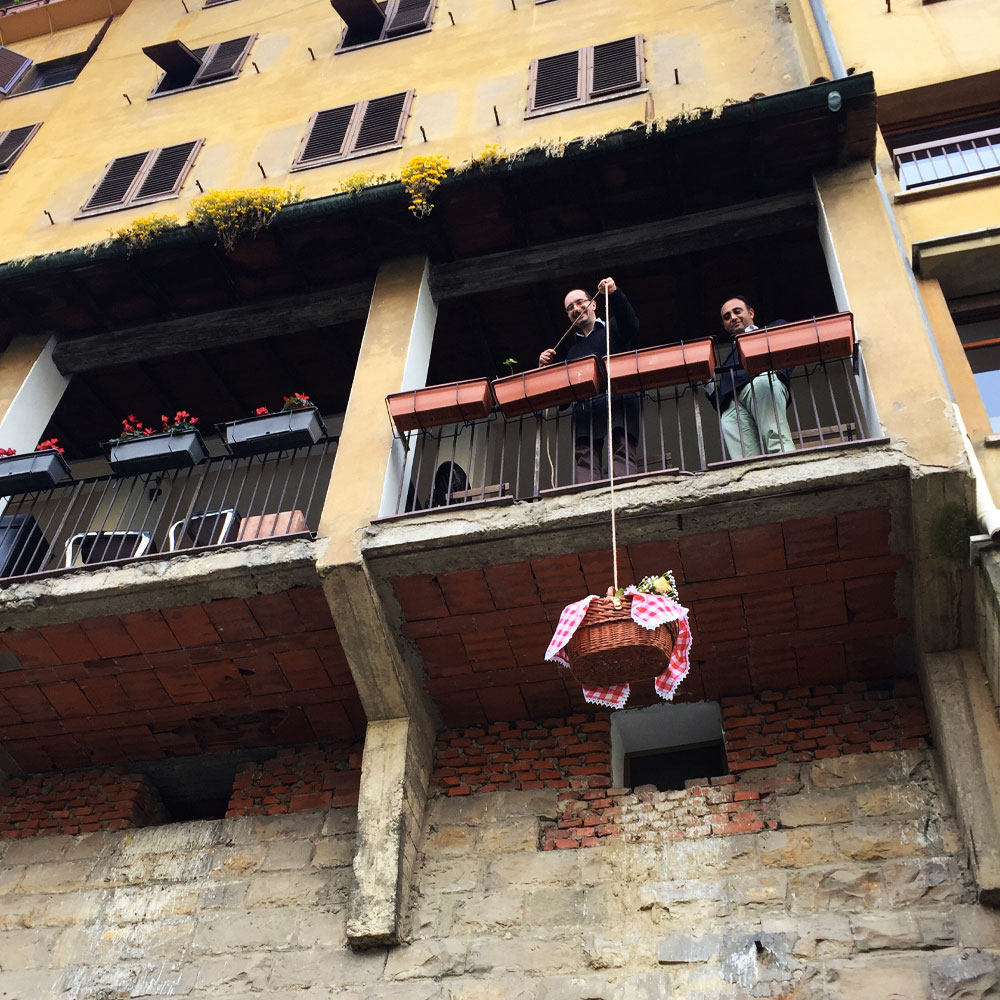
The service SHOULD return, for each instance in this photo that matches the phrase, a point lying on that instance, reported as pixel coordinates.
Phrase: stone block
(426, 959)
(926, 880)
(27, 948)
(822, 936)
(285, 888)
(303, 971)
(286, 855)
(34, 851)
(456, 875)
(166, 978)
(236, 978)
(893, 978)
(977, 926)
(10, 878)
(815, 809)
(552, 906)
(444, 840)
(861, 768)
(577, 988)
(877, 840)
(710, 857)
(894, 800)
(522, 956)
(243, 860)
(318, 928)
(57, 876)
(682, 948)
(605, 953)
(690, 901)
(878, 931)
(762, 887)
(223, 895)
(533, 868)
(501, 910)
(471, 989)
(171, 838)
(971, 975)
(341, 822)
(254, 829)
(515, 834)
(229, 932)
(134, 904)
(333, 852)
(841, 889)
(796, 848)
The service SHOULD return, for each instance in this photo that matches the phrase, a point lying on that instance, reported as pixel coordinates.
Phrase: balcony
(224, 501)
(673, 431)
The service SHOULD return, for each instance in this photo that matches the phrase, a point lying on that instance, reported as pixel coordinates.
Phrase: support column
(30, 389)
(399, 741)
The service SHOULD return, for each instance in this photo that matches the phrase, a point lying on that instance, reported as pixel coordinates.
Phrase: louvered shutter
(382, 122)
(616, 66)
(166, 172)
(410, 15)
(12, 142)
(557, 80)
(326, 137)
(117, 179)
(225, 61)
(12, 67)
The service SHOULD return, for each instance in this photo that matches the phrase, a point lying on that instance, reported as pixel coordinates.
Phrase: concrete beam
(399, 743)
(967, 738)
(30, 390)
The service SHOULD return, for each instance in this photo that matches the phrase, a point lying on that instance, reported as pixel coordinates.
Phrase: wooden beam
(631, 245)
(228, 326)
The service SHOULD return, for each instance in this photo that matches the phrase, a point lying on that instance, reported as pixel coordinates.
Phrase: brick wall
(573, 755)
(77, 802)
(318, 777)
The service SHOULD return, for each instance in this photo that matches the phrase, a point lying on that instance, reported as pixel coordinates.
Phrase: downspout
(826, 37)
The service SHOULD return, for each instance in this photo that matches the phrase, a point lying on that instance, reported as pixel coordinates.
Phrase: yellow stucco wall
(916, 44)
(722, 49)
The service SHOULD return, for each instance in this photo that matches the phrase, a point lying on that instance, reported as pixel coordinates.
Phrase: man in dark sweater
(752, 409)
(590, 419)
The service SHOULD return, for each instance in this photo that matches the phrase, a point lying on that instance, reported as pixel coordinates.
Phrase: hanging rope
(611, 446)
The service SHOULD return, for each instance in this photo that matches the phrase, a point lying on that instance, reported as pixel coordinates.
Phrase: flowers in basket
(297, 401)
(52, 444)
(611, 642)
(133, 427)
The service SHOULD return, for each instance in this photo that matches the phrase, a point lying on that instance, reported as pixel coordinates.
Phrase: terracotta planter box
(32, 472)
(157, 453)
(437, 405)
(657, 367)
(825, 338)
(280, 431)
(553, 385)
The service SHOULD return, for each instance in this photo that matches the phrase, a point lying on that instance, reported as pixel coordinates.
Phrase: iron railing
(675, 430)
(107, 519)
(948, 159)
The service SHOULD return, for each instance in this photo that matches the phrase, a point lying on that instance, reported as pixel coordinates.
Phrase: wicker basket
(609, 648)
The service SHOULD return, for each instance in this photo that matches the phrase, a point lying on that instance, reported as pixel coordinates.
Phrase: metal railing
(107, 519)
(948, 159)
(672, 431)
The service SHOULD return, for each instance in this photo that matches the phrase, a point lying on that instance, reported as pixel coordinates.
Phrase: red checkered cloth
(648, 610)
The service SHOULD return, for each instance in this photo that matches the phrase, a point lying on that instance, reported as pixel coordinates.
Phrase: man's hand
(546, 357)
(606, 284)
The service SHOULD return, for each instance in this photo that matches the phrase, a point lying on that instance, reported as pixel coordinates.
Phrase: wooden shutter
(12, 67)
(225, 59)
(409, 16)
(556, 80)
(114, 185)
(364, 18)
(166, 171)
(12, 142)
(382, 122)
(325, 136)
(616, 66)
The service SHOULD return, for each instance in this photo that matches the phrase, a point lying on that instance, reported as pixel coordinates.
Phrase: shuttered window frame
(130, 198)
(349, 150)
(392, 7)
(7, 162)
(197, 83)
(588, 96)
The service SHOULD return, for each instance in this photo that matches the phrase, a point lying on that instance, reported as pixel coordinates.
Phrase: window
(381, 20)
(142, 177)
(21, 75)
(354, 130)
(596, 73)
(12, 142)
(184, 69)
(948, 152)
(980, 336)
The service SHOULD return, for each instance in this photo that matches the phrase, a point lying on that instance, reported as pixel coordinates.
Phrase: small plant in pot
(139, 448)
(296, 425)
(37, 470)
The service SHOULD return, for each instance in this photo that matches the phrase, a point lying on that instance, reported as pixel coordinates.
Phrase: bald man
(590, 420)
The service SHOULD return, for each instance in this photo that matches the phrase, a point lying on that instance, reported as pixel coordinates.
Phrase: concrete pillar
(399, 742)
(967, 738)
(30, 389)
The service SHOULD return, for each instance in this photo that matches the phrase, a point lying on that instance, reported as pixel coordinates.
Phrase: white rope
(610, 437)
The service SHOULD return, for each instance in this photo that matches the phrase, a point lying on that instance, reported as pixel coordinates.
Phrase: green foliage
(143, 231)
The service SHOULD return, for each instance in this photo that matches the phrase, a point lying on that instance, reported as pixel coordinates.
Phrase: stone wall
(858, 891)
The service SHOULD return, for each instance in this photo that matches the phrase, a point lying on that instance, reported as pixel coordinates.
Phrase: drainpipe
(826, 37)
(986, 511)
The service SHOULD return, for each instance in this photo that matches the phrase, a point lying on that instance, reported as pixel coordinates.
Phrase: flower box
(436, 405)
(657, 367)
(32, 472)
(157, 453)
(282, 431)
(553, 385)
(823, 338)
